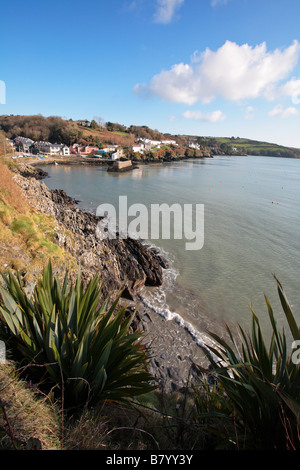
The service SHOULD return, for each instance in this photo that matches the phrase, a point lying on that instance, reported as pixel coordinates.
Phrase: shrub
(258, 387)
(86, 349)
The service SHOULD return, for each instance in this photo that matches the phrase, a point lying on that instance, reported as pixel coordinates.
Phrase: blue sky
(204, 67)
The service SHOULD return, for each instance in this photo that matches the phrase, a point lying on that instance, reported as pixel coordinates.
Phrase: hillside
(244, 146)
(57, 130)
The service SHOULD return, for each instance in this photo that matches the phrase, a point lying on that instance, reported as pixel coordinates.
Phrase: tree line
(38, 128)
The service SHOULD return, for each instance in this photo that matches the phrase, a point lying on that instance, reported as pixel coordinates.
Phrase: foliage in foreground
(250, 400)
(87, 351)
(257, 393)
(28, 421)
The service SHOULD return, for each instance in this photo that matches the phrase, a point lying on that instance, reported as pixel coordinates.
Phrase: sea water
(251, 232)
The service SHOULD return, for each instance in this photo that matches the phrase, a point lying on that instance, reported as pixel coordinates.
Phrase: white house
(138, 148)
(169, 142)
(110, 148)
(148, 143)
(52, 149)
(117, 154)
(194, 146)
(65, 150)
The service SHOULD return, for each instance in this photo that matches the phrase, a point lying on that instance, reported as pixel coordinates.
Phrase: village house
(169, 142)
(83, 150)
(22, 144)
(148, 143)
(110, 148)
(137, 148)
(114, 152)
(88, 149)
(117, 154)
(51, 149)
(192, 145)
(75, 149)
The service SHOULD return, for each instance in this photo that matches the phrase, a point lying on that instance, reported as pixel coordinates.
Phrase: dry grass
(27, 238)
(10, 192)
(87, 432)
(28, 420)
(107, 137)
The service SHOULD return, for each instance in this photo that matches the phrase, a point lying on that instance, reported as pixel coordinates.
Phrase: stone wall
(121, 165)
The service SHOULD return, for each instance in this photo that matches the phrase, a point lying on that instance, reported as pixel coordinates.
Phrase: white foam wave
(200, 339)
(156, 301)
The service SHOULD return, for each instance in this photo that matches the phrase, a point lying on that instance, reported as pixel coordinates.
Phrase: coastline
(89, 161)
(126, 265)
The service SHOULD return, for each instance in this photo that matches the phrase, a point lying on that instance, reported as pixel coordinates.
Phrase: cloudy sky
(204, 67)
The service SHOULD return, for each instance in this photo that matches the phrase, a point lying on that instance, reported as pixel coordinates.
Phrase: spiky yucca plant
(259, 385)
(87, 349)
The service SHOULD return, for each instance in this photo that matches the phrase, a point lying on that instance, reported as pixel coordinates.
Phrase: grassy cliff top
(27, 237)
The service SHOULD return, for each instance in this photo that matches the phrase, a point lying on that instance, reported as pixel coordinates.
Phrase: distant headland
(40, 137)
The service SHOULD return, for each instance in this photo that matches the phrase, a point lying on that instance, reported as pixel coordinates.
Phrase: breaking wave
(156, 300)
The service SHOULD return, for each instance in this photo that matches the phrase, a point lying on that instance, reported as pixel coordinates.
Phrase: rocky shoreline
(124, 265)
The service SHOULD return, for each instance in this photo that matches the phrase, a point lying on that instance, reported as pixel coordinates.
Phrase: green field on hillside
(246, 146)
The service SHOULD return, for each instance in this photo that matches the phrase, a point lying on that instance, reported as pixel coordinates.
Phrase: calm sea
(251, 231)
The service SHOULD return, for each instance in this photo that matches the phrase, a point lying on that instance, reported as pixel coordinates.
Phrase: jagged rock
(123, 264)
(162, 261)
(30, 172)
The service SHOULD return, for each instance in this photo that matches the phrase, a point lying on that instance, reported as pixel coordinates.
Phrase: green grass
(26, 234)
(253, 146)
(120, 133)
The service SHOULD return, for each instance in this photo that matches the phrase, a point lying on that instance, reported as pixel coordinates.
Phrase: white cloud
(279, 110)
(249, 114)
(292, 89)
(166, 10)
(232, 72)
(215, 116)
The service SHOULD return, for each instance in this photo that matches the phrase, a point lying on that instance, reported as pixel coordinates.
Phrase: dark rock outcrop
(123, 264)
(29, 171)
